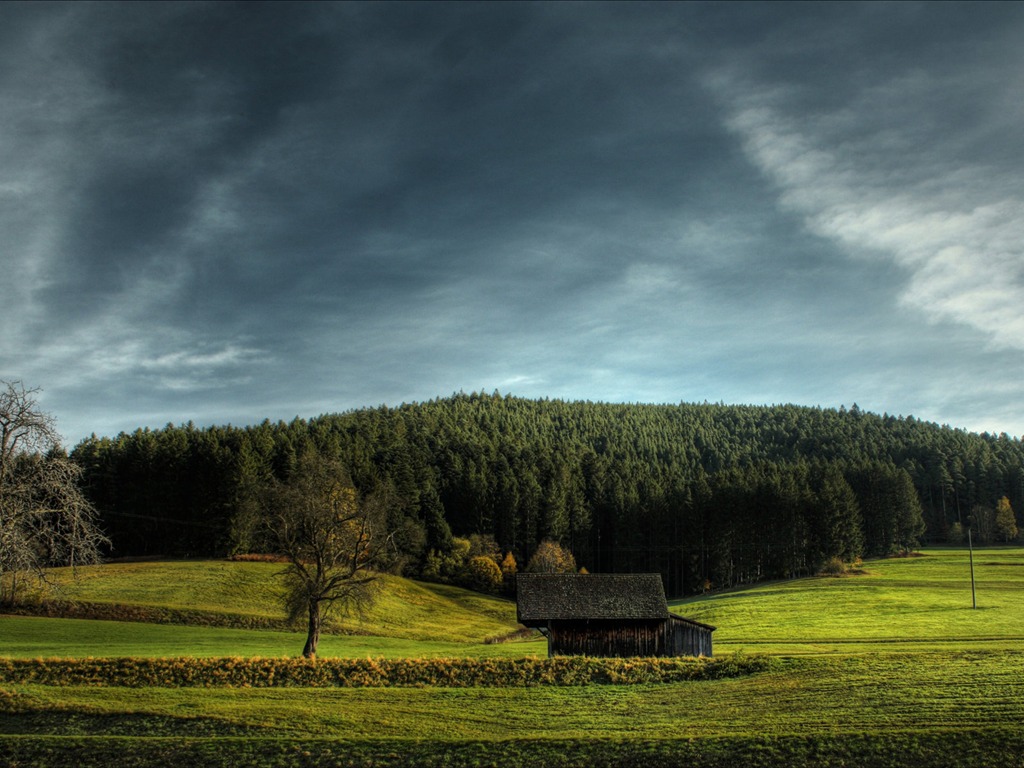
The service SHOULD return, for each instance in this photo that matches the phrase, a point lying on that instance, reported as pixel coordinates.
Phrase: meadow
(889, 667)
(920, 602)
(218, 598)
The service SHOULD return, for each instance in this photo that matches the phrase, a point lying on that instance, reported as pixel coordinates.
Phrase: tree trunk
(313, 631)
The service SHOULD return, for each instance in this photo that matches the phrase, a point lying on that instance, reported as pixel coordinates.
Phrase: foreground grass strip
(375, 673)
(987, 748)
(822, 697)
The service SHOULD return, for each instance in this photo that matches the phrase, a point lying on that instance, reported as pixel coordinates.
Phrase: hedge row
(376, 673)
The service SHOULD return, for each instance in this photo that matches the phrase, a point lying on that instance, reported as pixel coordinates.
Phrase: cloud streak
(951, 227)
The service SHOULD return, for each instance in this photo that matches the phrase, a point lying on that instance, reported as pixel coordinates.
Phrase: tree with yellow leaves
(1006, 521)
(551, 557)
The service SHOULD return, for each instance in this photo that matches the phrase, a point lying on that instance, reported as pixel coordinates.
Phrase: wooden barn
(607, 615)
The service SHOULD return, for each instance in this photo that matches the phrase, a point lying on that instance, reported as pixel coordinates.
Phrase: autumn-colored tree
(551, 557)
(484, 544)
(483, 574)
(509, 568)
(1006, 522)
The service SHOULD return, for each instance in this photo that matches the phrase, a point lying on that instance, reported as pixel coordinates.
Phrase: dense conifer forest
(709, 495)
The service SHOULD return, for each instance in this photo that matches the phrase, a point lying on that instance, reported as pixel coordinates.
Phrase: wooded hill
(706, 494)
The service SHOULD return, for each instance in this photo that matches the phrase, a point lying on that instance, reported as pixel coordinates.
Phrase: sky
(225, 213)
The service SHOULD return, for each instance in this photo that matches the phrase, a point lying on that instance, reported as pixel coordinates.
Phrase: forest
(709, 495)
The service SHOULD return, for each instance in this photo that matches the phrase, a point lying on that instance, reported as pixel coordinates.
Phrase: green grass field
(32, 637)
(402, 608)
(891, 667)
(900, 604)
(407, 618)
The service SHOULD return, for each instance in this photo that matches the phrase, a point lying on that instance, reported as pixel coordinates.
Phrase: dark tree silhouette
(336, 544)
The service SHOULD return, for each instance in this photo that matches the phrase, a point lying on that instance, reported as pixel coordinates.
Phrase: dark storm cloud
(230, 211)
(185, 92)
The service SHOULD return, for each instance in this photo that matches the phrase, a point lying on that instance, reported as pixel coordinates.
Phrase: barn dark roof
(544, 597)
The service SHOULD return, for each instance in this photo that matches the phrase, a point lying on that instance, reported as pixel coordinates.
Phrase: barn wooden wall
(687, 639)
(622, 638)
(607, 638)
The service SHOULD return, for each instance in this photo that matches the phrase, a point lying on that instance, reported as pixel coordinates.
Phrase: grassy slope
(408, 618)
(402, 608)
(904, 672)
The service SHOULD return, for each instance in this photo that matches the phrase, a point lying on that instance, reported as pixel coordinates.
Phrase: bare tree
(44, 518)
(24, 429)
(336, 544)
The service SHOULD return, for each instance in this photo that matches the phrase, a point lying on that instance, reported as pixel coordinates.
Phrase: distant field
(888, 668)
(898, 604)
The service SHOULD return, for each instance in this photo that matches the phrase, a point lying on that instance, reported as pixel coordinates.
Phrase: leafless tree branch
(44, 518)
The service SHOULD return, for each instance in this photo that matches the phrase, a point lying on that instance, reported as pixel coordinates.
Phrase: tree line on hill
(709, 495)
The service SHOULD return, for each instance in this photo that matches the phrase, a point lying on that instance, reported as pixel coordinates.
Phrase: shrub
(432, 565)
(834, 566)
(254, 557)
(956, 534)
(483, 574)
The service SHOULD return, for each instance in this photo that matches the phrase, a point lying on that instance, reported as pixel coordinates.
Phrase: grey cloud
(236, 211)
